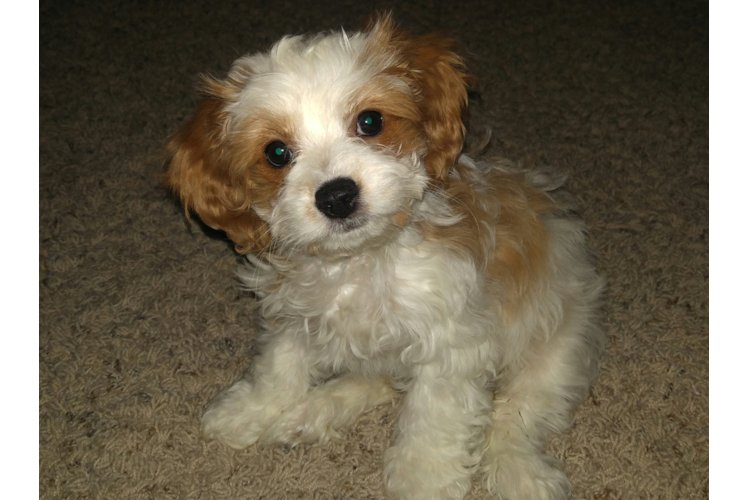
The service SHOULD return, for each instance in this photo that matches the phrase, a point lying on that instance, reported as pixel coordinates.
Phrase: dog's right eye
(278, 154)
(369, 123)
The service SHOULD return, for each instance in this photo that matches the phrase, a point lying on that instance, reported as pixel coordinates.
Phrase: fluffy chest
(376, 304)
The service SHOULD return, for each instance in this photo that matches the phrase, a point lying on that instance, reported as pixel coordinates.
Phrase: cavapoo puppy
(385, 260)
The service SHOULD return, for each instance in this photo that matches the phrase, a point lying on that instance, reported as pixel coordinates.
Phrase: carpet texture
(141, 320)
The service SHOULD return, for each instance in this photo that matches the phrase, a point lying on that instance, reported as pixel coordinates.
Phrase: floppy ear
(198, 171)
(443, 86)
(439, 81)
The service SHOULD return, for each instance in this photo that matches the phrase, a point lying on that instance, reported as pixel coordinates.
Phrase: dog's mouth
(349, 224)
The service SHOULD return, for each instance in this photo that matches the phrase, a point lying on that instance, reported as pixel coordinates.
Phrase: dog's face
(322, 146)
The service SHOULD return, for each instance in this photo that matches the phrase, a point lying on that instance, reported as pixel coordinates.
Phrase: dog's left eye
(369, 123)
(278, 154)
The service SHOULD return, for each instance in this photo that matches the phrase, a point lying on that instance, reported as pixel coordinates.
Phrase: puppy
(383, 260)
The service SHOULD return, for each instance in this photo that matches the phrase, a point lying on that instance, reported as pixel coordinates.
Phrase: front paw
(307, 422)
(238, 416)
(415, 473)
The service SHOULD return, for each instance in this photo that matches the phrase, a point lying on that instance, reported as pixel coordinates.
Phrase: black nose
(337, 198)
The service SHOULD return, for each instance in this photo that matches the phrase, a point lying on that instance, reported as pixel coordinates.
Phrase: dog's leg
(333, 405)
(441, 427)
(280, 378)
(536, 401)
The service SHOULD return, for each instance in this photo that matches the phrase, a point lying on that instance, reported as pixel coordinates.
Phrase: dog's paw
(238, 416)
(414, 473)
(526, 476)
(327, 408)
(308, 422)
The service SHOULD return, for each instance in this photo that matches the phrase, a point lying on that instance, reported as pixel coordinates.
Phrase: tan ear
(439, 81)
(198, 171)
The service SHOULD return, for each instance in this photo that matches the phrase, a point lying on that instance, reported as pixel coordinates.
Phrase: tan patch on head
(263, 180)
(438, 84)
(401, 132)
(401, 136)
(221, 175)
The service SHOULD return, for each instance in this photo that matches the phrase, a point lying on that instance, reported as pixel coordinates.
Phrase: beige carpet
(141, 321)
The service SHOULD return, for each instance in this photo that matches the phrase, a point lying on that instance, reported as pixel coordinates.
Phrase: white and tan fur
(464, 285)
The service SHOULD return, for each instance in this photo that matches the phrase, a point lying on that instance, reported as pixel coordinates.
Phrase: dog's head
(322, 145)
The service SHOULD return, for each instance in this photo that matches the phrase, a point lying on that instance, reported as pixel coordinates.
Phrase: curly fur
(465, 285)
